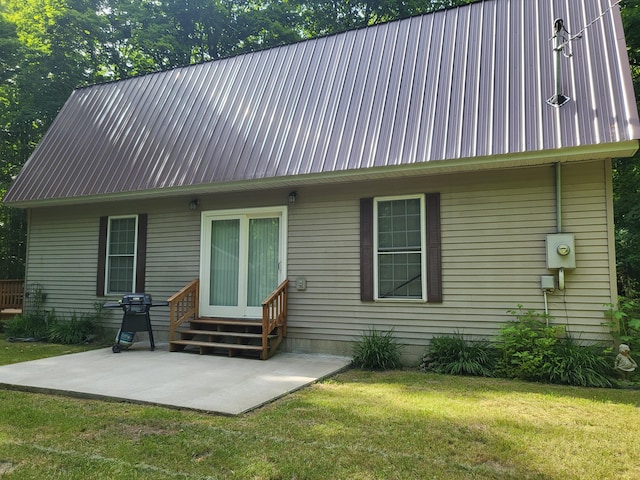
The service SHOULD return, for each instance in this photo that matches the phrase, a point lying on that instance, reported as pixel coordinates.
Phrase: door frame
(206, 218)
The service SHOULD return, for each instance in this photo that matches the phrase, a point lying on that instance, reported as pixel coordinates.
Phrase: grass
(15, 352)
(357, 425)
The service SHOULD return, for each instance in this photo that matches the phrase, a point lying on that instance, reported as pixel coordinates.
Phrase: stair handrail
(274, 315)
(183, 306)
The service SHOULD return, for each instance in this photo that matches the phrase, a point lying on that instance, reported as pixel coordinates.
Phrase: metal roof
(460, 83)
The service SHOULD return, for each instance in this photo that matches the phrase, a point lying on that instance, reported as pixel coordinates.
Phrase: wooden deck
(11, 298)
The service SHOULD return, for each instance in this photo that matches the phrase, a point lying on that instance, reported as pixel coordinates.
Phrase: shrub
(456, 356)
(47, 326)
(73, 331)
(580, 365)
(377, 351)
(27, 326)
(526, 346)
(624, 322)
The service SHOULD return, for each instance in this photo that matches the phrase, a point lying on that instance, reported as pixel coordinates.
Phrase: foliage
(581, 365)
(74, 330)
(624, 322)
(626, 175)
(532, 349)
(13, 223)
(456, 356)
(42, 325)
(27, 326)
(526, 345)
(377, 351)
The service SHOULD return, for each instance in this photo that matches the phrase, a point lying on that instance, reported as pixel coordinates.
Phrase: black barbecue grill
(135, 318)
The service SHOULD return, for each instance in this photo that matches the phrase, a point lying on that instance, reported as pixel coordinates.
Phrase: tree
(626, 176)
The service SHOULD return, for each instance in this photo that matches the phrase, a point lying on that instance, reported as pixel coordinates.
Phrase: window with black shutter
(121, 254)
(400, 248)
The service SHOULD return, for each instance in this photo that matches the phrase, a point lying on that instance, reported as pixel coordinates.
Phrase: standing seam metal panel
(458, 83)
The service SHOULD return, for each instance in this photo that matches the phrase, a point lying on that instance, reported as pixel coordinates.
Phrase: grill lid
(137, 299)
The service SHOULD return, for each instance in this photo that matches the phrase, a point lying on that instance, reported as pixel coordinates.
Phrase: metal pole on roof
(558, 99)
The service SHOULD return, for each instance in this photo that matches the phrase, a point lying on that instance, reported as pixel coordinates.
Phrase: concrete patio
(215, 384)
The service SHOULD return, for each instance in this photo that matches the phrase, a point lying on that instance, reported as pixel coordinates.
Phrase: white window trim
(423, 249)
(107, 268)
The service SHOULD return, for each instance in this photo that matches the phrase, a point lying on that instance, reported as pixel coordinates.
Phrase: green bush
(73, 331)
(624, 322)
(531, 349)
(526, 346)
(49, 327)
(580, 365)
(456, 356)
(27, 326)
(377, 351)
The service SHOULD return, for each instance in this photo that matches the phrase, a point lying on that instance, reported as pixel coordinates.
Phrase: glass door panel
(225, 261)
(263, 260)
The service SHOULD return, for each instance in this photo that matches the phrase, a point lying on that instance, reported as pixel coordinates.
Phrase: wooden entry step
(206, 347)
(236, 322)
(222, 335)
(212, 335)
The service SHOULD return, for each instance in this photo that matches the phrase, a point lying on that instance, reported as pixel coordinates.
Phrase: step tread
(219, 333)
(232, 346)
(227, 321)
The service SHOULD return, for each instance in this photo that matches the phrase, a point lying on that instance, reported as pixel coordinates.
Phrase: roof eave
(519, 160)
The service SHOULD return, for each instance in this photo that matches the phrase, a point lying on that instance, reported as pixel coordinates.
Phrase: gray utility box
(561, 251)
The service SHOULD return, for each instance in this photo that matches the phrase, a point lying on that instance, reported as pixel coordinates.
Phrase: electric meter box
(561, 251)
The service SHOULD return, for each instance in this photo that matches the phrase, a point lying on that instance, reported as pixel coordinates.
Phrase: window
(121, 254)
(400, 252)
(399, 244)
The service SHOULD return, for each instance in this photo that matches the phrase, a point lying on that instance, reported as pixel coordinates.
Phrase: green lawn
(357, 425)
(15, 352)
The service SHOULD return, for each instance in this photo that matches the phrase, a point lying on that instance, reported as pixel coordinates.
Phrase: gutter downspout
(559, 217)
(558, 192)
(558, 197)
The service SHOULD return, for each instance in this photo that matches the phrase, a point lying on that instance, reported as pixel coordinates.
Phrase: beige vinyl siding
(63, 248)
(585, 215)
(62, 259)
(494, 225)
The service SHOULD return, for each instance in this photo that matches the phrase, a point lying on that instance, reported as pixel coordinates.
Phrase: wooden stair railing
(261, 336)
(183, 306)
(274, 316)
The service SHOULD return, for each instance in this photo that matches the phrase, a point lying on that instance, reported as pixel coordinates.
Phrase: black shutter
(366, 249)
(434, 250)
(102, 256)
(141, 254)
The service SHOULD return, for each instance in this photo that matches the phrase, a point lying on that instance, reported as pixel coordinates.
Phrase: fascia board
(519, 160)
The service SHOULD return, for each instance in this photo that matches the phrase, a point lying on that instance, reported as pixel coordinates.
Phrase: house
(424, 175)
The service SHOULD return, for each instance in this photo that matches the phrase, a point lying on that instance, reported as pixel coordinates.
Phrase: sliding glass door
(243, 260)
